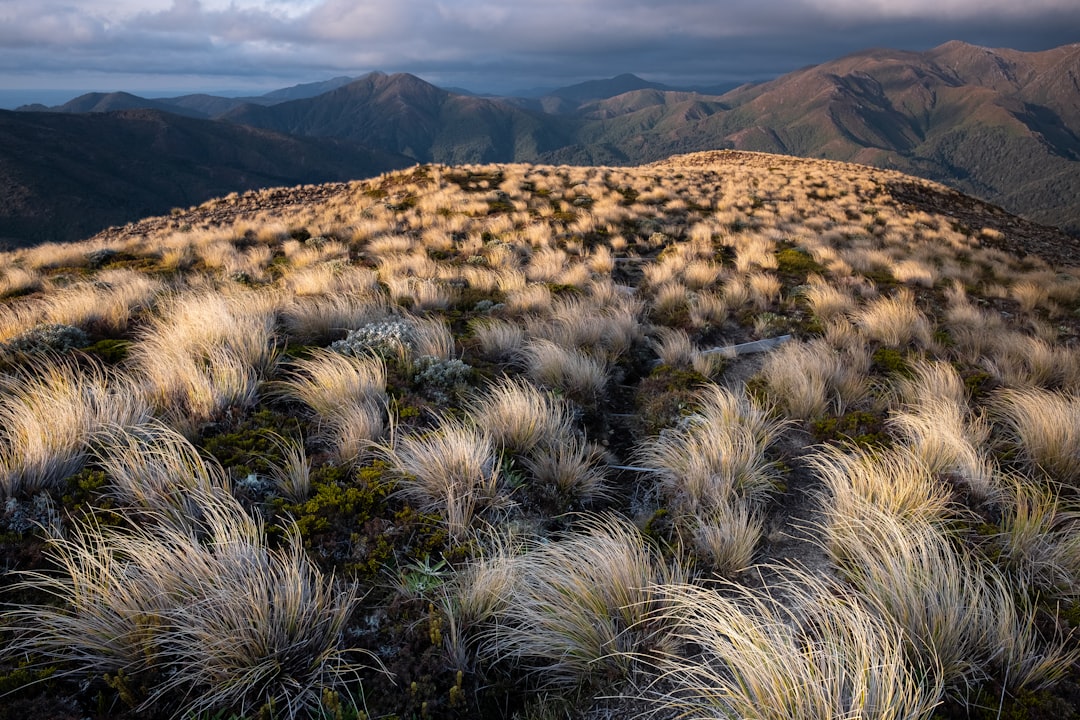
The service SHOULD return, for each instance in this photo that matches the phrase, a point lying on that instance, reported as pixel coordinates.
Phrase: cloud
(503, 43)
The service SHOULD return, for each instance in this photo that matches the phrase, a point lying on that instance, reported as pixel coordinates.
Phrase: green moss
(340, 504)
(990, 703)
(559, 289)
(978, 382)
(666, 395)
(109, 350)
(500, 206)
(254, 444)
(859, 427)
(796, 264)
(890, 361)
(25, 676)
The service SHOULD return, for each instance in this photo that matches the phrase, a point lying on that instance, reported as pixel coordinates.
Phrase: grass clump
(806, 649)
(577, 610)
(49, 414)
(347, 394)
(201, 619)
(450, 470)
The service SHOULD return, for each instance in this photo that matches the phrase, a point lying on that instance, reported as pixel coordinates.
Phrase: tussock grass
(948, 443)
(959, 615)
(571, 469)
(228, 624)
(579, 375)
(894, 321)
(806, 649)
(725, 538)
(941, 431)
(717, 456)
(292, 477)
(577, 609)
(320, 319)
(518, 416)
(713, 471)
(561, 278)
(51, 412)
(1021, 361)
(19, 280)
(347, 394)
(206, 352)
(895, 482)
(450, 470)
(1039, 538)
(499, 340)
(809, 378)
(674, 347)
(1045, 427)
(827, 301)
(154, 469)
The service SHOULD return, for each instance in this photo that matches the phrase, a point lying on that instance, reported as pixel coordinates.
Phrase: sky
(162, 47)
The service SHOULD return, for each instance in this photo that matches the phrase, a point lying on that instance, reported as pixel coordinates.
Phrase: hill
(522, 440)
(67, 176)
(403, 114)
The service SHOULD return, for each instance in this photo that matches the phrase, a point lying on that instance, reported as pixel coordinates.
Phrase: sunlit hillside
(732, 435)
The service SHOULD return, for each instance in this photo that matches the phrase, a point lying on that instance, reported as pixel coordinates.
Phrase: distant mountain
(403, 114)
(111, 102)
(305, 90)
(602, 89)
(197, 105)
(66, 176)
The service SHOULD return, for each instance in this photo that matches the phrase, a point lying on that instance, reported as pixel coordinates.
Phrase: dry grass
(450, 470)
(827, 301)
(578, 609)
(1039, 539)
(805, 650)
(226, 625)
(206, 352)
(581, 376)
(571, 470)
(941, 431)
(50, 413)
(154, 469)
(809, 378)
(716, 457)
(18, 281)
(318, 320)
(894, 321)
(347, 394)
(1045, 427)
(519, 417)
(959, 616)
(499, 340)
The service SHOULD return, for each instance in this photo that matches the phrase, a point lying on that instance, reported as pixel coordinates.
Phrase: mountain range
(999, 124)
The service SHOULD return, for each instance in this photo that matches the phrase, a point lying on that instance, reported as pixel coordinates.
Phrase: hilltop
(731, 433)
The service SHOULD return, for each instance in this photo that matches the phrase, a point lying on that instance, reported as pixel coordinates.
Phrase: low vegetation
(730, 435)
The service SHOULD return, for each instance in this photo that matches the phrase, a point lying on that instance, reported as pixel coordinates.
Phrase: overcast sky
(484, 45)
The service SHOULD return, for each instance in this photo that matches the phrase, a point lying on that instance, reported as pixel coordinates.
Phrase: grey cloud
(494, 44)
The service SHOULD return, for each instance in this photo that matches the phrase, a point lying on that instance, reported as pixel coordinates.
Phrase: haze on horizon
(178, 46)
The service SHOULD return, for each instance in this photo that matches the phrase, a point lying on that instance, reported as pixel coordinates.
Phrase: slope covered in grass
(727, 434)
